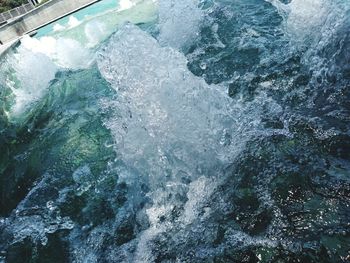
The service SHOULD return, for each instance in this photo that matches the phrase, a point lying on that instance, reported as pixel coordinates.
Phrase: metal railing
(15, 12)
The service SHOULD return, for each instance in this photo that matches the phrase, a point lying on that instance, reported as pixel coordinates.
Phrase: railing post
(28, 7)
(32, 2)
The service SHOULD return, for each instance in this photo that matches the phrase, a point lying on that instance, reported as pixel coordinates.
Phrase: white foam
(199, 191)
(306, 16)
(65, 52)
(70, 54)
(179, 22)
(125, 4)
(95, 32)
(57, 27)
(311, 20)
(30, 68)
(171, 115)
(27, 74)
(167, 123)
(73, 22)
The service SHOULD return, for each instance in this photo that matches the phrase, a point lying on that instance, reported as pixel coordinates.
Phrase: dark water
(218, 133)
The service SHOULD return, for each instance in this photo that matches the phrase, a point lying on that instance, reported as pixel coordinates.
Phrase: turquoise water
(179, 131)
(86, 13)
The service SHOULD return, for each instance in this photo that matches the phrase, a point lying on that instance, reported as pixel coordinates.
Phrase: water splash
(185, 185)
(27, 74)
(179, 22)
(164, 113)
(173, 131)
(312, 27)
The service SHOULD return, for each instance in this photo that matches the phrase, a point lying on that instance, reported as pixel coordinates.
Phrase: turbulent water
(179, 131)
